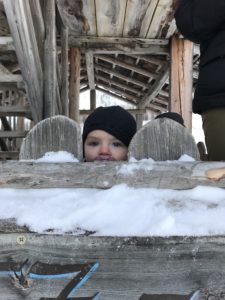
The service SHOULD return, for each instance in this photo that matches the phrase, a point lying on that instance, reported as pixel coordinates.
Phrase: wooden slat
(181, 79)
(110, 17)
(22, 28)
(13, 134)
(159, 18)
(22, 111)
(130, 268)
(136, 13)
(103, 175)
(89, 12)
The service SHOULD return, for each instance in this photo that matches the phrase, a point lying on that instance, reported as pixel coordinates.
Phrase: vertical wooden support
(64, 71)
(50, 102)
(139, 120)
(92, 100)
(181, 79)
(74, 84)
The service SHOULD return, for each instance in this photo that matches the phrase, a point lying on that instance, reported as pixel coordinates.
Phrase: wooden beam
(92, 99)
(181, 79)
(116, 96)
(22, 111)
(126, 65)
(119, 84)
(156, 87)
(121, 76)
(13, 134)
(103, 175)
(90, 69)
(74, 84)
(10, 78)
(22, 28)
(86, 112)
(50, 103)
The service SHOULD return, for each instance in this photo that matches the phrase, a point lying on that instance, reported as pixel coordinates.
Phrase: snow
(118, 211)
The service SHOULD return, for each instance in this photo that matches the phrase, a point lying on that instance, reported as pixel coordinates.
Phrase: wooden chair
(58, 133)
(163, 139)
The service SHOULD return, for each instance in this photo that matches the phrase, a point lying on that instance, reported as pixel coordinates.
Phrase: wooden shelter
(50, 52)
(53, 50)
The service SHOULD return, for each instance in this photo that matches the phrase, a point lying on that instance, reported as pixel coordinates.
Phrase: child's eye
(93, 144)
(117, 144)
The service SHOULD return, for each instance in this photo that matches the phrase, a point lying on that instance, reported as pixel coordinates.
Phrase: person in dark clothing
(107, 134)
(203, 22)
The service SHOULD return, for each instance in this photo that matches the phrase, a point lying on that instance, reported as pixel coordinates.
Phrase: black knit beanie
(114, 120)
(173, 116)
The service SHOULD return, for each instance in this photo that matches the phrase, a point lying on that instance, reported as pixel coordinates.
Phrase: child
(107, 134)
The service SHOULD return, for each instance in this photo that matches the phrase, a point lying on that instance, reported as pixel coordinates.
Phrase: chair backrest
(163, 139)
(58, 133)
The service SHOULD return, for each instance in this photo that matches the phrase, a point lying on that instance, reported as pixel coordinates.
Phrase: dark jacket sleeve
(199, 20)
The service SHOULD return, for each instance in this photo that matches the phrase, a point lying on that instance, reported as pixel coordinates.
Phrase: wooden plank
(116, 96)
(181, 79)
(129, 267)
(90, 69)
(178, 176)
(146, 23)
(171, 140)
(13, 134)
(159, 18)
(71, 12)
(11, 78)
(156, 87)
(135, 15)
(22, 111)
(86, 112)
(74, 84)
(9, 155)
(89, 12)
(6, 43)
(50, 103)
(52, 134)
(110, 17)
(22, 28)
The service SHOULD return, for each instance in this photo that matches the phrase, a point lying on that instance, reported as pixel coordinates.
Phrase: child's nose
(105, 149)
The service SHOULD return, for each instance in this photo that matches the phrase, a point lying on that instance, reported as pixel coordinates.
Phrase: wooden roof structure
(52, 50)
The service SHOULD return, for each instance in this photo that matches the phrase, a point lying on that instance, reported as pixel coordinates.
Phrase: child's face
(100, 145)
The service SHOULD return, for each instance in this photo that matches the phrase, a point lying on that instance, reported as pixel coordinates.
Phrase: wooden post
(181, 79)
(139, 120)
(92, 100)
(74, 84)
(50, 104)
(64, 71)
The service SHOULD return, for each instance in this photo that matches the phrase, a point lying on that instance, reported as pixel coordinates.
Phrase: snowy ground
(119, 211)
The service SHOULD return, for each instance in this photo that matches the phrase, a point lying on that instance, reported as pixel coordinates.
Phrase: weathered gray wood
(52, 134)
(10, 78)
(90, 69)
(50, 81)
(6, 43)
(177, 175)
(86, 112)
(181, 79)
(156, 87)
(22, 28)
(13, 134)
(9, 154)
(74, 84)
(128, 267)
(92, 100)
(163, 139)
(15, 111)
(64, 71)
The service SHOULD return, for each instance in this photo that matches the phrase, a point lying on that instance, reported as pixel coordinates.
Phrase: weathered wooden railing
(49, 266)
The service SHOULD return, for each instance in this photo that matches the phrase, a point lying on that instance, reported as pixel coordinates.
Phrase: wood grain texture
(163, 139)
(173, 175)
(128, 267)
(52, 134)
